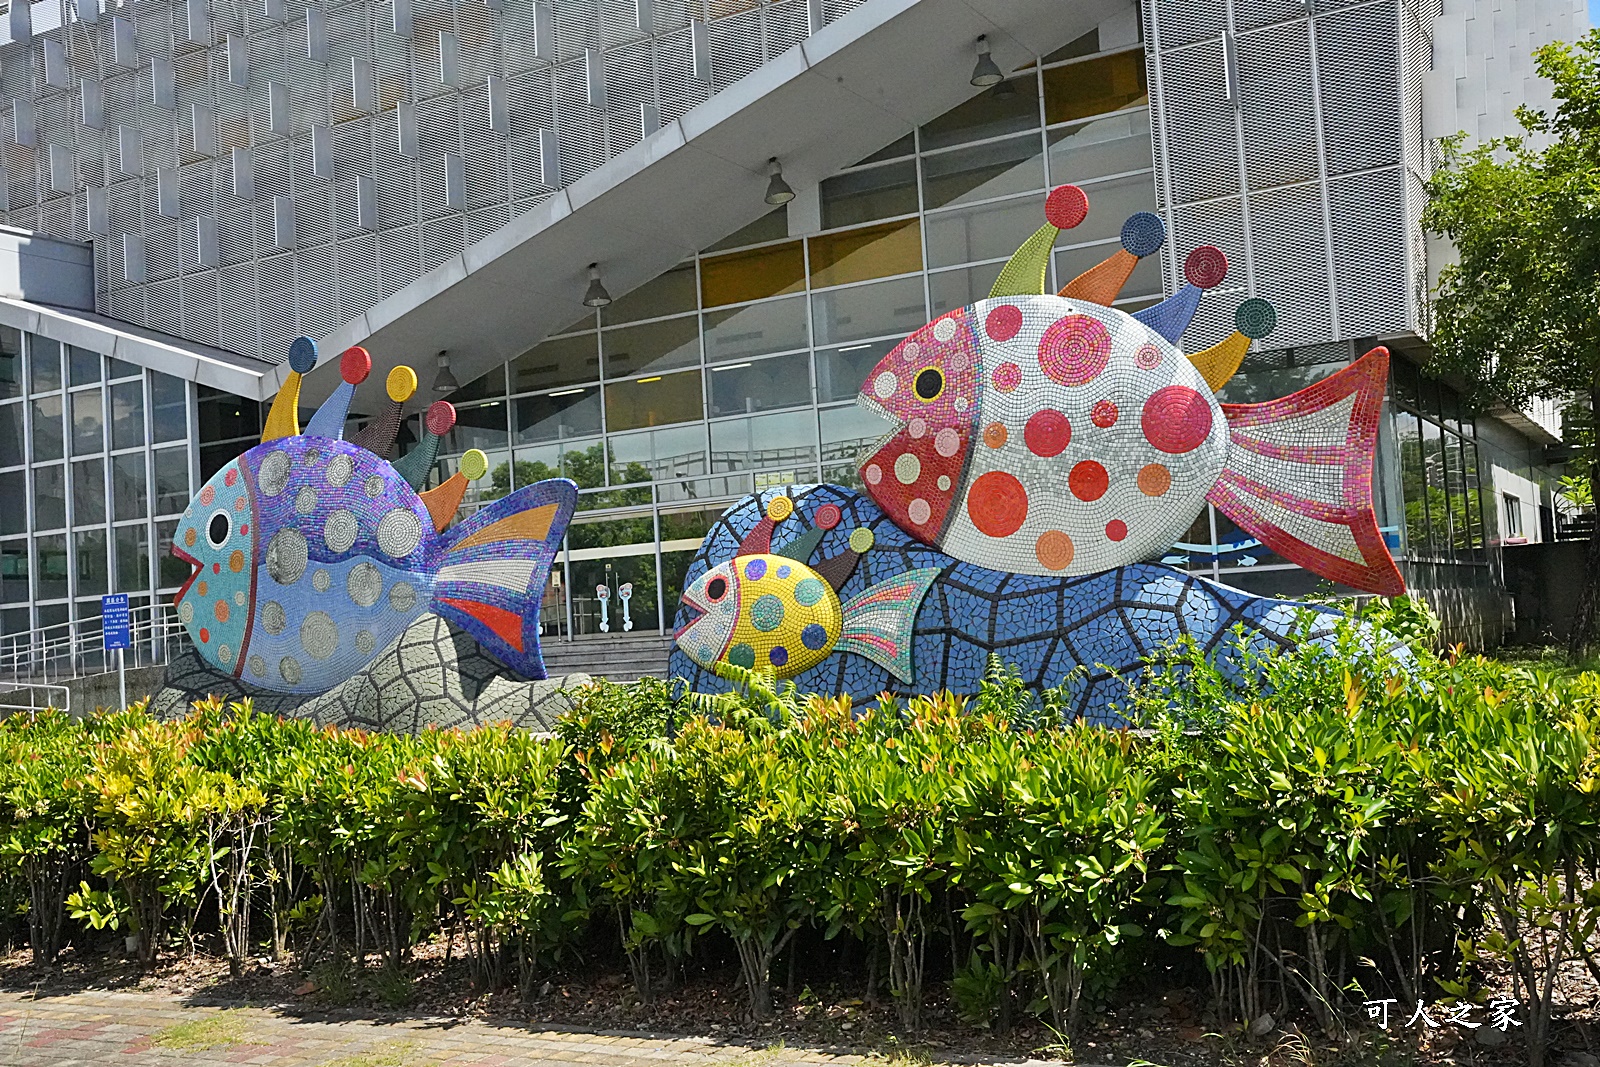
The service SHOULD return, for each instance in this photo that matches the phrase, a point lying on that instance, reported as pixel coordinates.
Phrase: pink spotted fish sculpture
(1056, 435)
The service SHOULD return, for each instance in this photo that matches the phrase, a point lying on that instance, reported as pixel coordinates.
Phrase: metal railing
(74, 649)
(34, 698)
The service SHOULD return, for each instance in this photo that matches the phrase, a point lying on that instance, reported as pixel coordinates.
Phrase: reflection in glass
(983, 172)
(653, 346)
(841, 371)
(786, 440)
(904, 146)
(756, 329)
(172, 480)
(50, 568)
(772, 226)
(13, 487)
(128, 486)
(44, 364)
(950, 289)
(561, 361)
(763, 385)
(169, 407)
(553, 416)
(10, 362)
(88, 427)
(11, 435)
(1116, 144)
(133, 557)
(93, 575)
(170, 570)
(989, 231)
(668, 294)
(83, 366)
(849, 432)
(121, 368)
(866, 195)
(482, 387)
(877, 310)
(986, 115)
(1438, 501)
(867, 253)
(775, 270)
(480, 426)
(14, 572)
(127, 414)
(50, 497)
(654, 401)
(88, 492)
(636, 569)
(1094, 87)
(225, 417)
(48, 442)
(1110, 203)
(659, 455)
(1145, 280)
(582, 461)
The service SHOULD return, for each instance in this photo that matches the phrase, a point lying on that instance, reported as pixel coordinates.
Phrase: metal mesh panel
(1253, 14)
(788, 23)
(166, 251)
(442, 239)
(480, 42)
(522, 154)
(237, 308)
(736, 47)
(127, 304)
(680, 89)
(1181, 22)
(576, 27)
(391, 69)
(352, 148)
(582, 129)
(274, 164)
(197, 193)
(236, 231)
(359, 289)
(630, 83)
(200, 307)
(276, 280)
(396, 183)
(481, 224)
(163, 305)
(313, 214)
(518, 36)
(1217, 222)
(56, 218)
(399, 259)
(488, 182)
(531, 102)
(1370, 277)
(1291, 262)
(318, 293)
(1280, 122)
(1357, 59)
(1200, 125)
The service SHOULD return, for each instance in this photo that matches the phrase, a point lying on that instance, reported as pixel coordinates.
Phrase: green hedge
(1344, 829)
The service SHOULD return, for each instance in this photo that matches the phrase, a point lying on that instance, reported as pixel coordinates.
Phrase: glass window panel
(989, 231)
(772, 226)
(986, 115)
(787, 440)
(1144, 281)
(14, 572)
(1087, 45)
(1110, 204)
(1405, 383)
(89, 492)
(654, 401)
(557, 362)
(128, 486)
(1437, 497)
(169, 407)
(170, 570)
(764, 385)
(47, 435)
(761, 272)
(10, 362)
(864, 195)
(950, 289)
(50, 568)
(50, 497)
(652, 346)
(93, 576)
(756, 329)
(1112, 145)
(12, 452)
(847, 432)
(52, 614)
(1460, 524)
(1095, 86)
(667, 294)
(565, 413)
(14, 490)
(659, 455)
(582, 461)
(1476, 516)
(877, 310)
(841, 371)
(902, 147)
(639, 571)
(127, 414)
(225, 417)
(479, 426)
(482, 387)
(864, 254)
(83, 366)
(172, 480)
(88, 426)
(44, 364)
(982, 172)
(121, 368)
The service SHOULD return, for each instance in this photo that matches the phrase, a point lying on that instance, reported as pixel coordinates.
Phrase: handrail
(32, 689)
(73, 649)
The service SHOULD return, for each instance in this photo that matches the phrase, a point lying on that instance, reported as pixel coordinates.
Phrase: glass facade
(95, 466)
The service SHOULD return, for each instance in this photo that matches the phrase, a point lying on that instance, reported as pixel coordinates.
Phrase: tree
(1518, 316)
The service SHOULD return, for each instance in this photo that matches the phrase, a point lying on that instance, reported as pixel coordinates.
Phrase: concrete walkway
(137, 1029)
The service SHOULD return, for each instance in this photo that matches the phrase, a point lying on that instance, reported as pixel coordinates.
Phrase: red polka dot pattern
(1088, 480)
(1066, 206)
(1074, 350)
(997, 504)
(1206, 267)
(441, 417)
(1176, 419)
(1006, 377)
(1003, 322)
(1048, 433)
(1116, 529)
(828, 516)
(355, 365)
(1104, 414)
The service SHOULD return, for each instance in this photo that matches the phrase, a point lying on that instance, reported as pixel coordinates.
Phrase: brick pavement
(96, 1029)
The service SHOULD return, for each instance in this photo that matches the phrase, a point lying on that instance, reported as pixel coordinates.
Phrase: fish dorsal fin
(878, 622)
(443, 501)
(378, 435)
(1024, 272)
(1205, 268)
(415, 465)
(354, 366)
(1255, 319)
(836, 570)
(1299, 476)
(759, 539)
(283, 420)
(1143, 234)
(801, 547)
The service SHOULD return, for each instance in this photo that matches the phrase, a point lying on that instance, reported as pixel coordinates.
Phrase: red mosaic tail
(1299, 476)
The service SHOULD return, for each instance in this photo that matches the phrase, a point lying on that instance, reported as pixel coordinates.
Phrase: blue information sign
(114, 625)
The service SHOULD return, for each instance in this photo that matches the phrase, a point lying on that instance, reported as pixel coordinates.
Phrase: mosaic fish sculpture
(1056, 435)
(312, 553)
(769, 608)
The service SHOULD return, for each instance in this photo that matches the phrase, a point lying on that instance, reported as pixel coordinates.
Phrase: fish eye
(717, 588)
(929, 383)
(217, 530)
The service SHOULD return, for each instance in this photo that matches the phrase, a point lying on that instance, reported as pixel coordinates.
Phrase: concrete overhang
(851, 88)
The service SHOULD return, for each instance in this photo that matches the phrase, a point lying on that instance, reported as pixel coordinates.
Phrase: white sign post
(115, 632)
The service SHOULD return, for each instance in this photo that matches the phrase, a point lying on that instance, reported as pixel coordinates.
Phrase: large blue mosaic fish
(311, 554)
(1088, 633)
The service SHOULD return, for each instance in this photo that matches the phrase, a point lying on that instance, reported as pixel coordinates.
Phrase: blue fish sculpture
(311, 554)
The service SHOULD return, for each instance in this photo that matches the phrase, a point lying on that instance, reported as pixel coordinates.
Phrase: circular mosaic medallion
(399, 532)
(272, 618)
(339, 532)
(274, 475)
(341, 469)
(364, 584)
(287, 556)
(318, 635)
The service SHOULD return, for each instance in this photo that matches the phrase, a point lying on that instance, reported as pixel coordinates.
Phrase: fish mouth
(870, 403)
(698, 613)
(194, 573)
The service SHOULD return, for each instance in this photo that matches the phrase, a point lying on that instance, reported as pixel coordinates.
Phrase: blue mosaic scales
(1107, 623)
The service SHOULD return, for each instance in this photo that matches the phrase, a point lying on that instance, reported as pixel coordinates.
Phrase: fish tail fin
(877, 622)
(492, 570)
(1299, 476)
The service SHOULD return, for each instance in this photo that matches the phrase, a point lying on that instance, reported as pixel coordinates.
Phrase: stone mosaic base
(433, 674)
